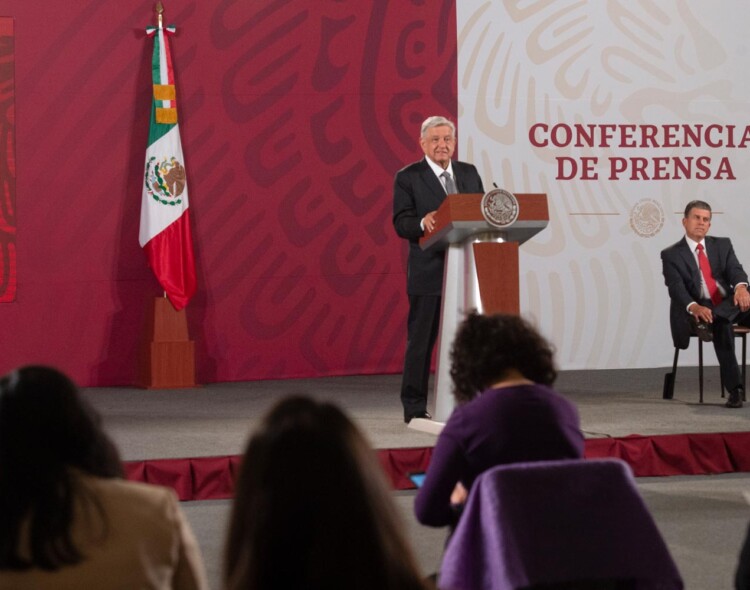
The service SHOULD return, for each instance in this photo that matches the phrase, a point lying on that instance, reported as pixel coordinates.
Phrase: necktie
(450, 185)
(708, 276)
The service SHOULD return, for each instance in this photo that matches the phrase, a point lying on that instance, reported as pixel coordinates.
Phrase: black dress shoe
(703, 330)
(735, 398)
(425, 415)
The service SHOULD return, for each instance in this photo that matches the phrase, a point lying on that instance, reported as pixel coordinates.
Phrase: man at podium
(418, 190)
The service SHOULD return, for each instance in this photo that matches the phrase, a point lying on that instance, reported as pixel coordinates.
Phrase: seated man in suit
(708, 291)
(418, 190)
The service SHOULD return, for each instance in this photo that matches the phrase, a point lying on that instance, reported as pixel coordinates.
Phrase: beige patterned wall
(592, 280)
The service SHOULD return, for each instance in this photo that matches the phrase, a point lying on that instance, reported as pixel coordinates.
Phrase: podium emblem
(499, 207)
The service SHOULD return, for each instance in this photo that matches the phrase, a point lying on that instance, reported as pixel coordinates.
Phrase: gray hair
(436, 121)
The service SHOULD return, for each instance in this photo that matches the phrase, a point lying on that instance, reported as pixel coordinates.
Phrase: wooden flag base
(168, 355)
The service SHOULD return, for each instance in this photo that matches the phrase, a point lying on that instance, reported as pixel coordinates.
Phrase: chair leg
(744, 358)
(700, 369)
(744, 362)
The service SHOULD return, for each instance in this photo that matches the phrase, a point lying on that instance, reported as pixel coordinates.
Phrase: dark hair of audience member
(47, 431)
(312, 509)
(486, 348)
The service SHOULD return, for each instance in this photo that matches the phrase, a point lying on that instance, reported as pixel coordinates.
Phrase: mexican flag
(165, 216)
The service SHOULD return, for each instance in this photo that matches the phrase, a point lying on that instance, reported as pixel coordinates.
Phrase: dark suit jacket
(416, 192)
(683, 279)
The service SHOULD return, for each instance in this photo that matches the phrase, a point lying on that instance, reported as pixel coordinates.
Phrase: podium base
(428, 426)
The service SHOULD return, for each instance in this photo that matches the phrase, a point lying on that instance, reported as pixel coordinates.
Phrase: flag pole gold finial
(160, 13)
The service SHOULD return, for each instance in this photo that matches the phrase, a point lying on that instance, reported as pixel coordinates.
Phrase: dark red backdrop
(7, 162)
(294, 116)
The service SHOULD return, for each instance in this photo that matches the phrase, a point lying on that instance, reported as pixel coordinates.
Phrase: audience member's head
(488, 349)
(312, 509)
(46, 431)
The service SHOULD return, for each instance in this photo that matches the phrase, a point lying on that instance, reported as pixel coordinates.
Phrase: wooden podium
(168, 355)
(481, 269)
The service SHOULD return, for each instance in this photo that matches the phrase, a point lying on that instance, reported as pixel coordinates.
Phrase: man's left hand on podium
(428, 222)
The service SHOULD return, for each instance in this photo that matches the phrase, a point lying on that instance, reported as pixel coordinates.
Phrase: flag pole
(168, 354)
(164, 232)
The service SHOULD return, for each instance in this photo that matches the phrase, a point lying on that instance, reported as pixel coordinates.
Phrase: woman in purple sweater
(506, 412)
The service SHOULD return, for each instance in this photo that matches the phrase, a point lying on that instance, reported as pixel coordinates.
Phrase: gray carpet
(703, 519)
(216, 419)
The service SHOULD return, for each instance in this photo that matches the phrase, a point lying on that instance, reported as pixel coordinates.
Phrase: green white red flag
(165, 216)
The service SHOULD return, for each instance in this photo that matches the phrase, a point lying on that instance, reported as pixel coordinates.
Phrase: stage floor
(215, 419)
